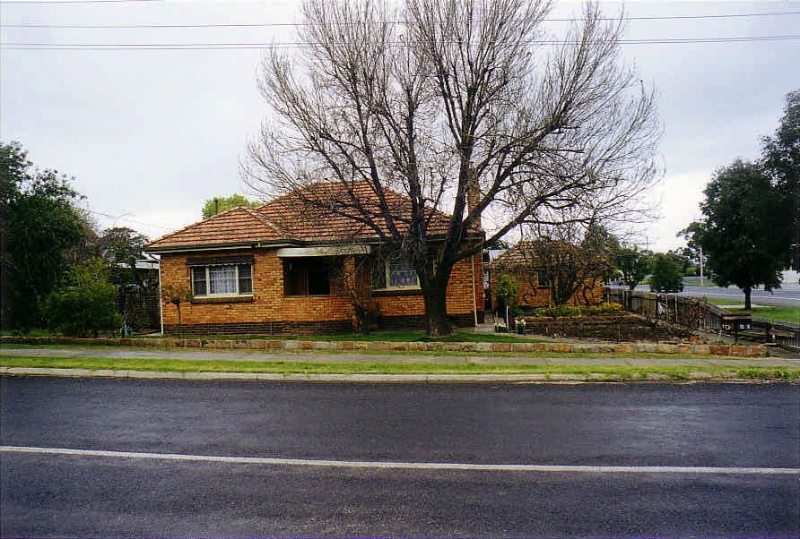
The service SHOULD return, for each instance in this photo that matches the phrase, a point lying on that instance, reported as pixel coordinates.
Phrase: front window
(222, 280)
(395, 273)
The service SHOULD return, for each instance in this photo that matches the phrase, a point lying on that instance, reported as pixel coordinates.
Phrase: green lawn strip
(297, 353)
(781, 314)
(288, 367)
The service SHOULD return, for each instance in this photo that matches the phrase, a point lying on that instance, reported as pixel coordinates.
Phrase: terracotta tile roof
(526, 253)
(237, 226)
(319, 213)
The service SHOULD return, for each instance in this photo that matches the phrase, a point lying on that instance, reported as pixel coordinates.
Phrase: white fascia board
(323, 250)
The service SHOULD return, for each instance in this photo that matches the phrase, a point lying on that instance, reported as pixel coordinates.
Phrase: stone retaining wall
(736, 350)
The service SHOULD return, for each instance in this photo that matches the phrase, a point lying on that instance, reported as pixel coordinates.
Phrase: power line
(36, 2)
(296, 24)
(233, 46)
(125, 217)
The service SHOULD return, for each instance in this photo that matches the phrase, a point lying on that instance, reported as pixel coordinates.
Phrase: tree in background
(85, 303)
(781, 157)
(217, 205)
(439, 99)
(667, 273)
(633, 264)
(693, 252)
(746, 232)
(121, 247)
(682, 258)
(40, 226)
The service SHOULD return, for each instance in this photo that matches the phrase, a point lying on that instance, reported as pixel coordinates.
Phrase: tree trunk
(747, 290)
(437, 324)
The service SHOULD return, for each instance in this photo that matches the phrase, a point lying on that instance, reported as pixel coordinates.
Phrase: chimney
(473, 194)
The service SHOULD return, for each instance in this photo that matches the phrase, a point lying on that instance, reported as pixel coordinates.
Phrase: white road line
(449, 466)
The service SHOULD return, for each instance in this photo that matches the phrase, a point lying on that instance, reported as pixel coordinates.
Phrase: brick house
(531, 274)
(290, 268)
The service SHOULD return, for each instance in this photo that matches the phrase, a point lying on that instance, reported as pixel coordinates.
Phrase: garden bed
(615, 328)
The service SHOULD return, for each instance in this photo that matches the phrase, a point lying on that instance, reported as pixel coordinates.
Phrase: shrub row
(588, 310)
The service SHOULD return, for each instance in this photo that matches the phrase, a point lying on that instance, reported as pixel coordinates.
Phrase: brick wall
(270, 311)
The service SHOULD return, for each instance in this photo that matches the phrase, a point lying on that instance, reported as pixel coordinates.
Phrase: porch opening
(307, 276)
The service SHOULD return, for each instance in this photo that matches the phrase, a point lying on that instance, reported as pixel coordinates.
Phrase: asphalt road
(789, 297)
(99, 457)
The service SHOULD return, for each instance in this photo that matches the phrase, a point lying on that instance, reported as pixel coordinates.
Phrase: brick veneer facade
(270, 311)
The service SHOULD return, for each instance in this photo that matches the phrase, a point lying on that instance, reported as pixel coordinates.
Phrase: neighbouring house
(536, 266)
(289, 268)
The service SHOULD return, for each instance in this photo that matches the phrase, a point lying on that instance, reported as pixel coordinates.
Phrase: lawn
(785, 314)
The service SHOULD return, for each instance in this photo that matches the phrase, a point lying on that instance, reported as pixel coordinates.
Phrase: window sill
(384, 292)
(222, 299)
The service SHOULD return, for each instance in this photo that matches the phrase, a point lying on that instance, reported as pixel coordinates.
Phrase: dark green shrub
(85, 304)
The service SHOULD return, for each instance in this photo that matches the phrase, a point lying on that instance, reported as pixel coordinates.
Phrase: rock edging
(725, 350)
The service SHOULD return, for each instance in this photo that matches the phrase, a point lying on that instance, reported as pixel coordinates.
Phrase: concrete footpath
(702, 364)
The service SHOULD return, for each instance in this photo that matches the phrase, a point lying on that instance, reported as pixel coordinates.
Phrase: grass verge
(780, 314)
(598, 372)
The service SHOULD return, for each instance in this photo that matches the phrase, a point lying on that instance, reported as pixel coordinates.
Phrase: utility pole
(701, 266)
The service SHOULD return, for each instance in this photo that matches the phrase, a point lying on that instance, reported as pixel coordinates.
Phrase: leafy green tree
(121, 247)
(217, 205)
(633, 264)
(507, 290)
(746, 232)
(681, 257)
(781, 154)
(86, 303)
(40, 226)
(667, 273)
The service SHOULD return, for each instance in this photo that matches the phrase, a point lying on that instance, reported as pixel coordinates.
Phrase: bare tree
(566, 260)
(442, 98)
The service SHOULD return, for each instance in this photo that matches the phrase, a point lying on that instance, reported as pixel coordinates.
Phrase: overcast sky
(149, 135)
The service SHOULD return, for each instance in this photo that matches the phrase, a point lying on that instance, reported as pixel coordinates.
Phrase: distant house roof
(319, 213)
(526, 253)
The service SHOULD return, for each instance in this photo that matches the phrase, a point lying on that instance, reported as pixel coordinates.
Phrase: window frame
(238, 279)
(385, 266)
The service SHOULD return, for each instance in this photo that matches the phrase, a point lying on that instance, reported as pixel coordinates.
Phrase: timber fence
(698, 315)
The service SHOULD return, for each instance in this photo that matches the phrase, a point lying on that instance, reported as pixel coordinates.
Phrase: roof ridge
(264, 220)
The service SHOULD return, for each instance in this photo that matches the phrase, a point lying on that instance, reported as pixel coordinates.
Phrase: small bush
(85, 304)
(555, 311)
